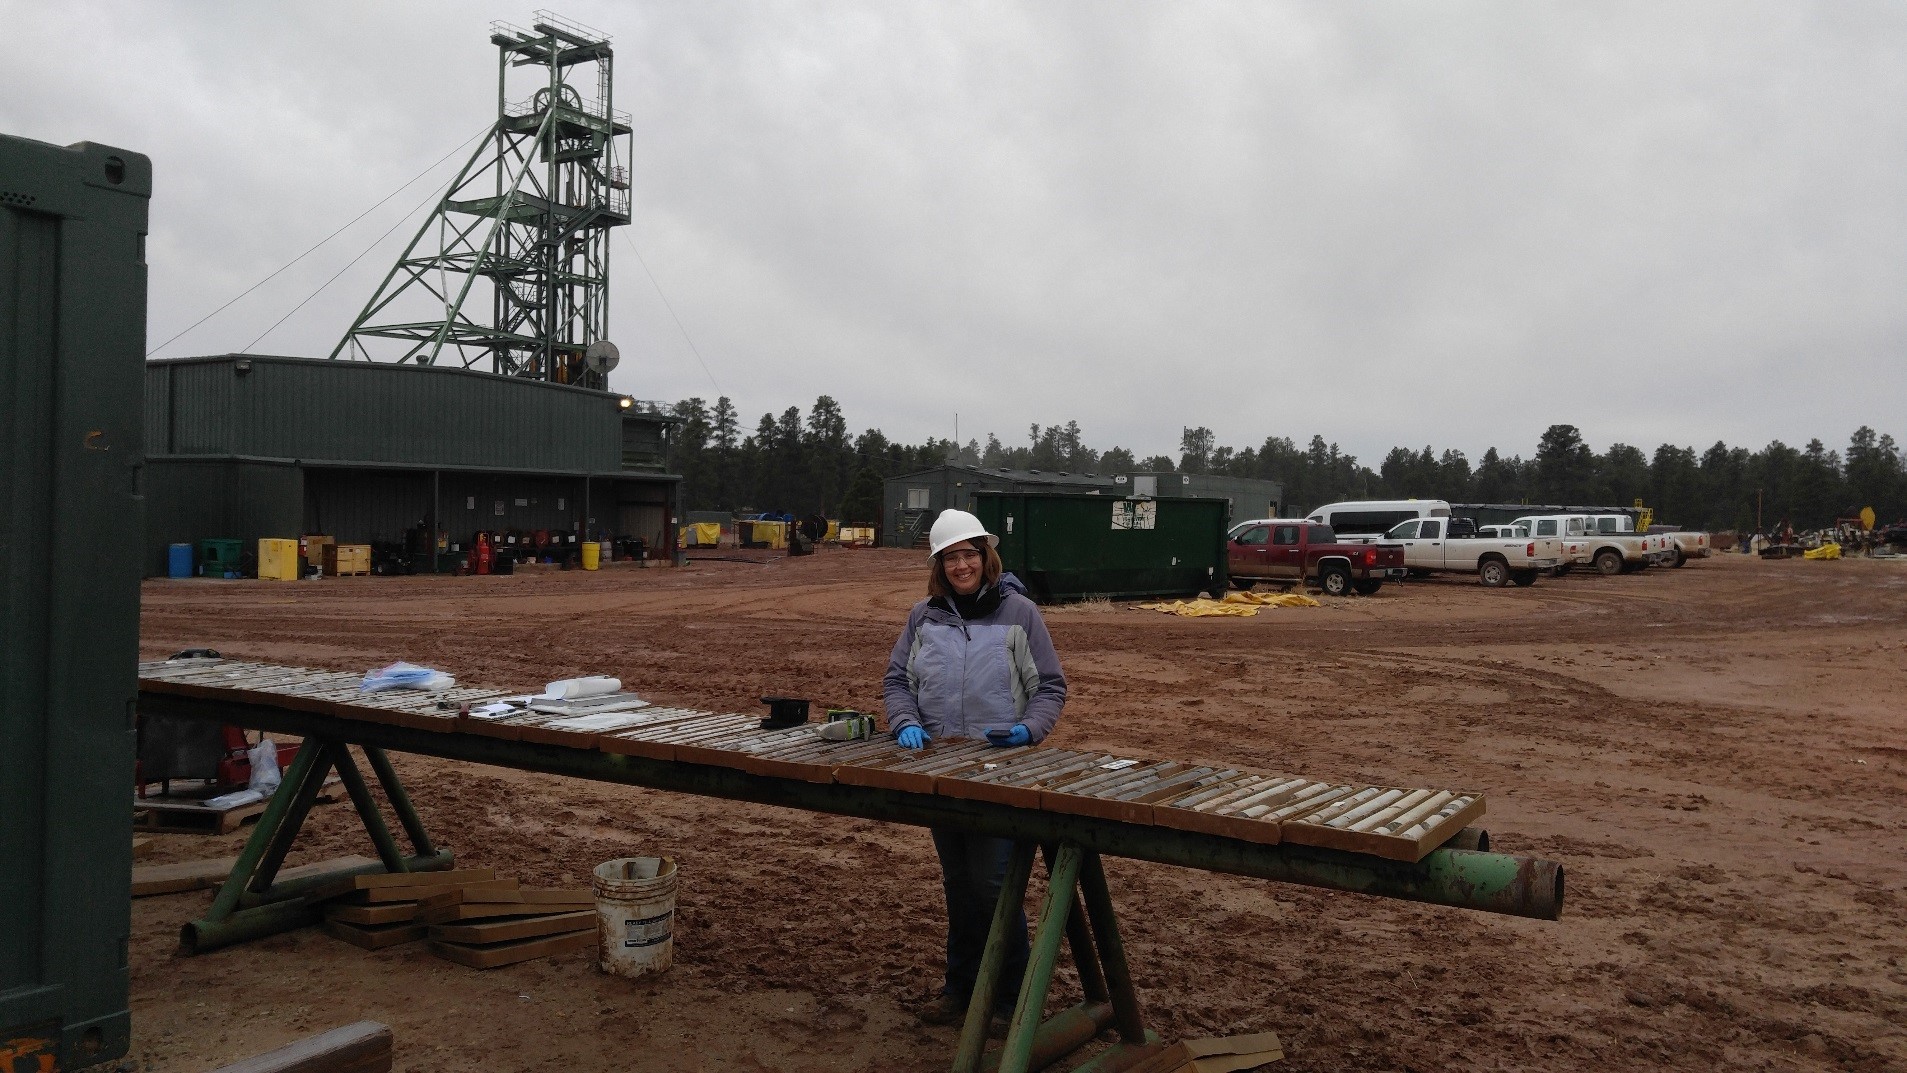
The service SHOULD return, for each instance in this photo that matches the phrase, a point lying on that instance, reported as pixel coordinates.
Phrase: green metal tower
(524, 228)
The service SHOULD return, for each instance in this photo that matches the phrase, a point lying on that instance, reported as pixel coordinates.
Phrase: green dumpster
(1069, 546)
(72, 374)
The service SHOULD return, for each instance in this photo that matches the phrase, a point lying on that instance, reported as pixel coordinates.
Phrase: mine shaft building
(248, 446)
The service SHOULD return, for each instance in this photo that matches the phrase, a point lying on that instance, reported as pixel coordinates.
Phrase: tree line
(810, 464)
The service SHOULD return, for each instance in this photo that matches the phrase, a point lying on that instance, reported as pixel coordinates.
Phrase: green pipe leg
(400, 801)
(268, 824)
(973, 1033)
(387, 850)
(304, 795)
(1079, 940)
(1016, 1054)
(1112, 950)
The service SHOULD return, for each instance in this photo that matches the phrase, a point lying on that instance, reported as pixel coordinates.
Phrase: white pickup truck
(1451, 545)
(1657, 548)
(1686, 544)
(1584, 544)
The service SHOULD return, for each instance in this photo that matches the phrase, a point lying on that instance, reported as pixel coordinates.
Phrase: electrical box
(72, 370)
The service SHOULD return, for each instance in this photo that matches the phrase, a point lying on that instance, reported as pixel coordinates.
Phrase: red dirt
(1714, 753)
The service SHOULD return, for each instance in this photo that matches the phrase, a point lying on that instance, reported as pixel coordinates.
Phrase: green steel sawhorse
(249, 906)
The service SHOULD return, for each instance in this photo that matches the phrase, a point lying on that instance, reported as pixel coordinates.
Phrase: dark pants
(972, 871)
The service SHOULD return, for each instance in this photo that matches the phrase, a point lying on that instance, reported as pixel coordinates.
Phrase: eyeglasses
(963, 555)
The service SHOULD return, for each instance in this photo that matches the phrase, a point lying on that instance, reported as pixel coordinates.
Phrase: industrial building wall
(365, 506)
(190, 501)
(355, 411)
(474, 501)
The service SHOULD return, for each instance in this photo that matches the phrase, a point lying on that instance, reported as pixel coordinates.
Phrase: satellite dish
(601, 356)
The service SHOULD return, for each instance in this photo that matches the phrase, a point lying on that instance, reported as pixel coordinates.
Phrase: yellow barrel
(592, 554)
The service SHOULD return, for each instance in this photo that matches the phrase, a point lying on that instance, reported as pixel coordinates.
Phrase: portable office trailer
(912, 501)
(1248, 497)
(72, 338)
(251, 446)
(1072, 546)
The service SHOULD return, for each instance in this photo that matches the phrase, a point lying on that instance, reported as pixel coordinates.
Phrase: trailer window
(1368, 522)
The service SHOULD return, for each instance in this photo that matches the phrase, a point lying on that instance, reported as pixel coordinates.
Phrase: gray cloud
(1391, 223)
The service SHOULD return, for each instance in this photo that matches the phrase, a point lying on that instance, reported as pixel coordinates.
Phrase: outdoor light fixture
(625, 402)
(242, 366)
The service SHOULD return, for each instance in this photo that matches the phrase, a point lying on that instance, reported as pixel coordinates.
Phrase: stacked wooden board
(1397, 823)
(469, 915)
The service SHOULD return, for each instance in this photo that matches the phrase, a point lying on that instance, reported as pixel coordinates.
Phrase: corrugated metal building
(246, 446)
(912, 501)
(1248, 496)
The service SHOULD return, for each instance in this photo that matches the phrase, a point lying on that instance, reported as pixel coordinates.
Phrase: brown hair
(990, 568)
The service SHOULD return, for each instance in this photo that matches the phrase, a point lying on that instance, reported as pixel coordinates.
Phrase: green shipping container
(72, 356)
(1072, 546)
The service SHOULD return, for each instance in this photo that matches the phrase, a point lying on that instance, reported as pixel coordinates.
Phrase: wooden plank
(364, 1047)
(490, 957)
(374, 937)
(149, 879)
(451, 914)
(386, 881)
(394, 913)
(500, 931)
(141, 846)
(481, 893)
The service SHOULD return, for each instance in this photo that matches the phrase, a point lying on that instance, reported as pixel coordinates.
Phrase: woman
(974, 661)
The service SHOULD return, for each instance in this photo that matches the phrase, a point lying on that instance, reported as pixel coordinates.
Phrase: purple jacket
(959, 678)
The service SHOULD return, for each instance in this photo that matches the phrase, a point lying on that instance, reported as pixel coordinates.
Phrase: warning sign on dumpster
(1134, 514)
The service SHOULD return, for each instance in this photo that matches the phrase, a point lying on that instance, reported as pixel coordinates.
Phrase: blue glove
(912, 738)
(1005, 738)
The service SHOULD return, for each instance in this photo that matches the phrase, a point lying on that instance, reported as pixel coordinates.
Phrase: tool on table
(846, 724)
(785, 712)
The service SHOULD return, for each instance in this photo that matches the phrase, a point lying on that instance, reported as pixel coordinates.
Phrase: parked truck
(1454, 546)
(1582, 545)
(1286, 549)
(1686, 545)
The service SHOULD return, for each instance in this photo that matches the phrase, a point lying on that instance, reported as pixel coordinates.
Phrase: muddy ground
(1716, 755)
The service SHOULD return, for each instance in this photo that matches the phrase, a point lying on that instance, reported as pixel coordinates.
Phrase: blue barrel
(179, 560)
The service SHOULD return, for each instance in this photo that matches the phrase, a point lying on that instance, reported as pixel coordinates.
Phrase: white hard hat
(954, 526)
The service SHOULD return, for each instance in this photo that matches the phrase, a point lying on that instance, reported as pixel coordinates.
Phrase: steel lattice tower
(527, 219)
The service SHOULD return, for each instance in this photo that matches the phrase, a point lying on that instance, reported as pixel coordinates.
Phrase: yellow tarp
(834, 531)
(1234, 605)
(1825, 551)
(701, 534)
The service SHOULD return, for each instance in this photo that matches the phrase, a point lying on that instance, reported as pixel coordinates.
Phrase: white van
(1366, 521)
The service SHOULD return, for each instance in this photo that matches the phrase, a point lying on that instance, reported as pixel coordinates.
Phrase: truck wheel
(1335, 581)
(1608, 562)
(1680, 559)
(1494, 573)
(1523, 579)
(1368, 586)
(1243, 584)
(1564, 569)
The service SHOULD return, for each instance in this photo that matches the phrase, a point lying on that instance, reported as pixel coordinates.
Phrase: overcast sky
(1450, 223)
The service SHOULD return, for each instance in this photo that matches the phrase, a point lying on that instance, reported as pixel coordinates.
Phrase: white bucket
(635, 914)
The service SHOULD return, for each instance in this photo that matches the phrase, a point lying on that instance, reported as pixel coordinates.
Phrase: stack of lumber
(486, 925)
(469, 915)
(379, 909)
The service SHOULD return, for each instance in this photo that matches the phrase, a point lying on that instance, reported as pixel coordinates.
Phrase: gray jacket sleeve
(897, 687)
(1045, 682)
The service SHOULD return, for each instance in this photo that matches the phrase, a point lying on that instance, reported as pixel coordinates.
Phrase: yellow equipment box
(277, 560)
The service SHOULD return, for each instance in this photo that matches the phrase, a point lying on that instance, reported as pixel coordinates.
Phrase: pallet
(185, 815)
(500, 954)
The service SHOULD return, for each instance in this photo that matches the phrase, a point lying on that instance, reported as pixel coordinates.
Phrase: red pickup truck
(1280, 549)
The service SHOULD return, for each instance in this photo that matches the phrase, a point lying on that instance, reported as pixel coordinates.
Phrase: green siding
(1066, 547)
(406, 415)
(72, 338)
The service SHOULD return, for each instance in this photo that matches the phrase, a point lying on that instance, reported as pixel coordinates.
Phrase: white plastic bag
(264, 758)
(402, 675)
